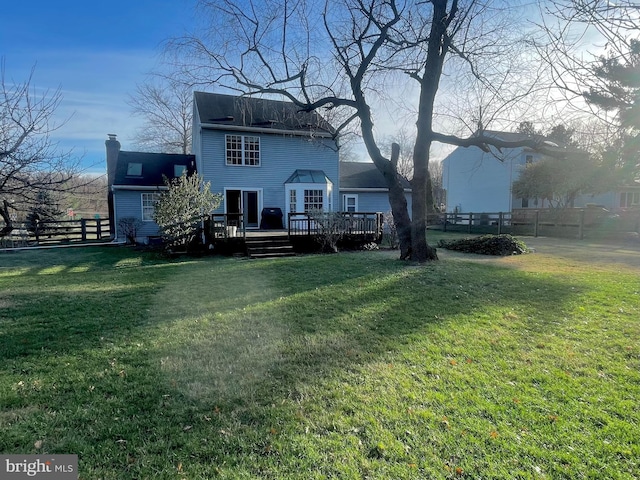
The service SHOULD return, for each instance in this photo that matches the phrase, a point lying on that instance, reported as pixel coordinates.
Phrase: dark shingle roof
(154, 167)
(363, 175)
(219, 109)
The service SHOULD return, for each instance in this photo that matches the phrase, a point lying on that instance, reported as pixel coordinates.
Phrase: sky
(96, 52)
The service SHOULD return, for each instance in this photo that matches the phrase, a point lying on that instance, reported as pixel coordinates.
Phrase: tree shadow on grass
(267, 346)
(229, 359)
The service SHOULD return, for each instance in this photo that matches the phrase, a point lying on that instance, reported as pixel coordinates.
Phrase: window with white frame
(313, 200)
(149, 206)
(293, 203)
(629, 199)
(242, 150)
(350, 203)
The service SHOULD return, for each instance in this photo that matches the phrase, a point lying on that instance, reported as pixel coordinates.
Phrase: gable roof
(257, 113)
(363, 175)
(149, 169)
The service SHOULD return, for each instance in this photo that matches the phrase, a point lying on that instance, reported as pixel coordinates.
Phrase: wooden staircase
(268, 246)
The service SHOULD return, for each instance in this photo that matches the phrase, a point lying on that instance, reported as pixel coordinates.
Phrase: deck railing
(351, 223)
(226, 225)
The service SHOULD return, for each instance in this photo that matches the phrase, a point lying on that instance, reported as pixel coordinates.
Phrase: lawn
(353, 365)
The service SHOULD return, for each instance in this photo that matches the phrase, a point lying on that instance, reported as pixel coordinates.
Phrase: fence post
(37, 232)
(444, 225)
(83, 228)
(581, 225)
(470, 221)
(98, 229)
(500, 219)
(536, 218)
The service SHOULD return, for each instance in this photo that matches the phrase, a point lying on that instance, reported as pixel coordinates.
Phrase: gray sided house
(363, 189)
(478, 181)
(264, 154)
(135, 181)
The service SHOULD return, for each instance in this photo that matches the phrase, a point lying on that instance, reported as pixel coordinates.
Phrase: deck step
(269, 247)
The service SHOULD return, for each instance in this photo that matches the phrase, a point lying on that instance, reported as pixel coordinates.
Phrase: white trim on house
(373, 190)
(139, 187)
(299, 188)
(345, 202)
(242, 190)
(240, 128)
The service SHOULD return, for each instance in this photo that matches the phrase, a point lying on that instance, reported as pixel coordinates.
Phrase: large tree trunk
(398, 203)
(389, 171)
(6, 216)
(422, 251)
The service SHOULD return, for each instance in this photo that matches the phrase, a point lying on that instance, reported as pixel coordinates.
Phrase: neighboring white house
(478, 181)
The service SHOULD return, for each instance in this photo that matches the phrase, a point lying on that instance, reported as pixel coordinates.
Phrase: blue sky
(95, 52)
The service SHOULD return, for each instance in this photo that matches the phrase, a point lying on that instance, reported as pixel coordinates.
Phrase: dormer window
(178, 170)
(134, 169)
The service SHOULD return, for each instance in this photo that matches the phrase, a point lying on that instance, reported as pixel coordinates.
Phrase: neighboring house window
(525, 203)
(243, 150)
(528, 159)
(629, 199)
(293, 203)
(149, 206)
(134, 169)
(178, 170)
(313, 200)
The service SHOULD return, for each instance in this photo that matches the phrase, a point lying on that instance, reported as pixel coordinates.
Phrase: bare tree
(30, 161)
(167, 108)
(598, 76)
(343, 55)
(405, 140)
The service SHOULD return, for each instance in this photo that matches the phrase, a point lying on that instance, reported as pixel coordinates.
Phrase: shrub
(129, 227)
(391, 231)
(330, 228)
(487, 245)
(187, 201)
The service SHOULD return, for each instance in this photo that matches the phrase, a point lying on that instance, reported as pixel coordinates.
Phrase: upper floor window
(178, 170)
(134, 169)
(243, 150)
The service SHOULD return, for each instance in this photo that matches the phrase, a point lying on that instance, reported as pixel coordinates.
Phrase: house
(363, 188)
(135, 179)
(478, 181)
(264, 154)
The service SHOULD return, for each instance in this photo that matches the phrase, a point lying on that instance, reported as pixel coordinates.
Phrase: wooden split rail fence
(58, 233)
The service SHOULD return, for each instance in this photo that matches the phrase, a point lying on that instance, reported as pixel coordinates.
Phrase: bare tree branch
(30, 161)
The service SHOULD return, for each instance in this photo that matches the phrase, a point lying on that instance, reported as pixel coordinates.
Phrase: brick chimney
(113, 150)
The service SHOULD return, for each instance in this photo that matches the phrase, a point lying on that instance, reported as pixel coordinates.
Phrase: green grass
(353, 365)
